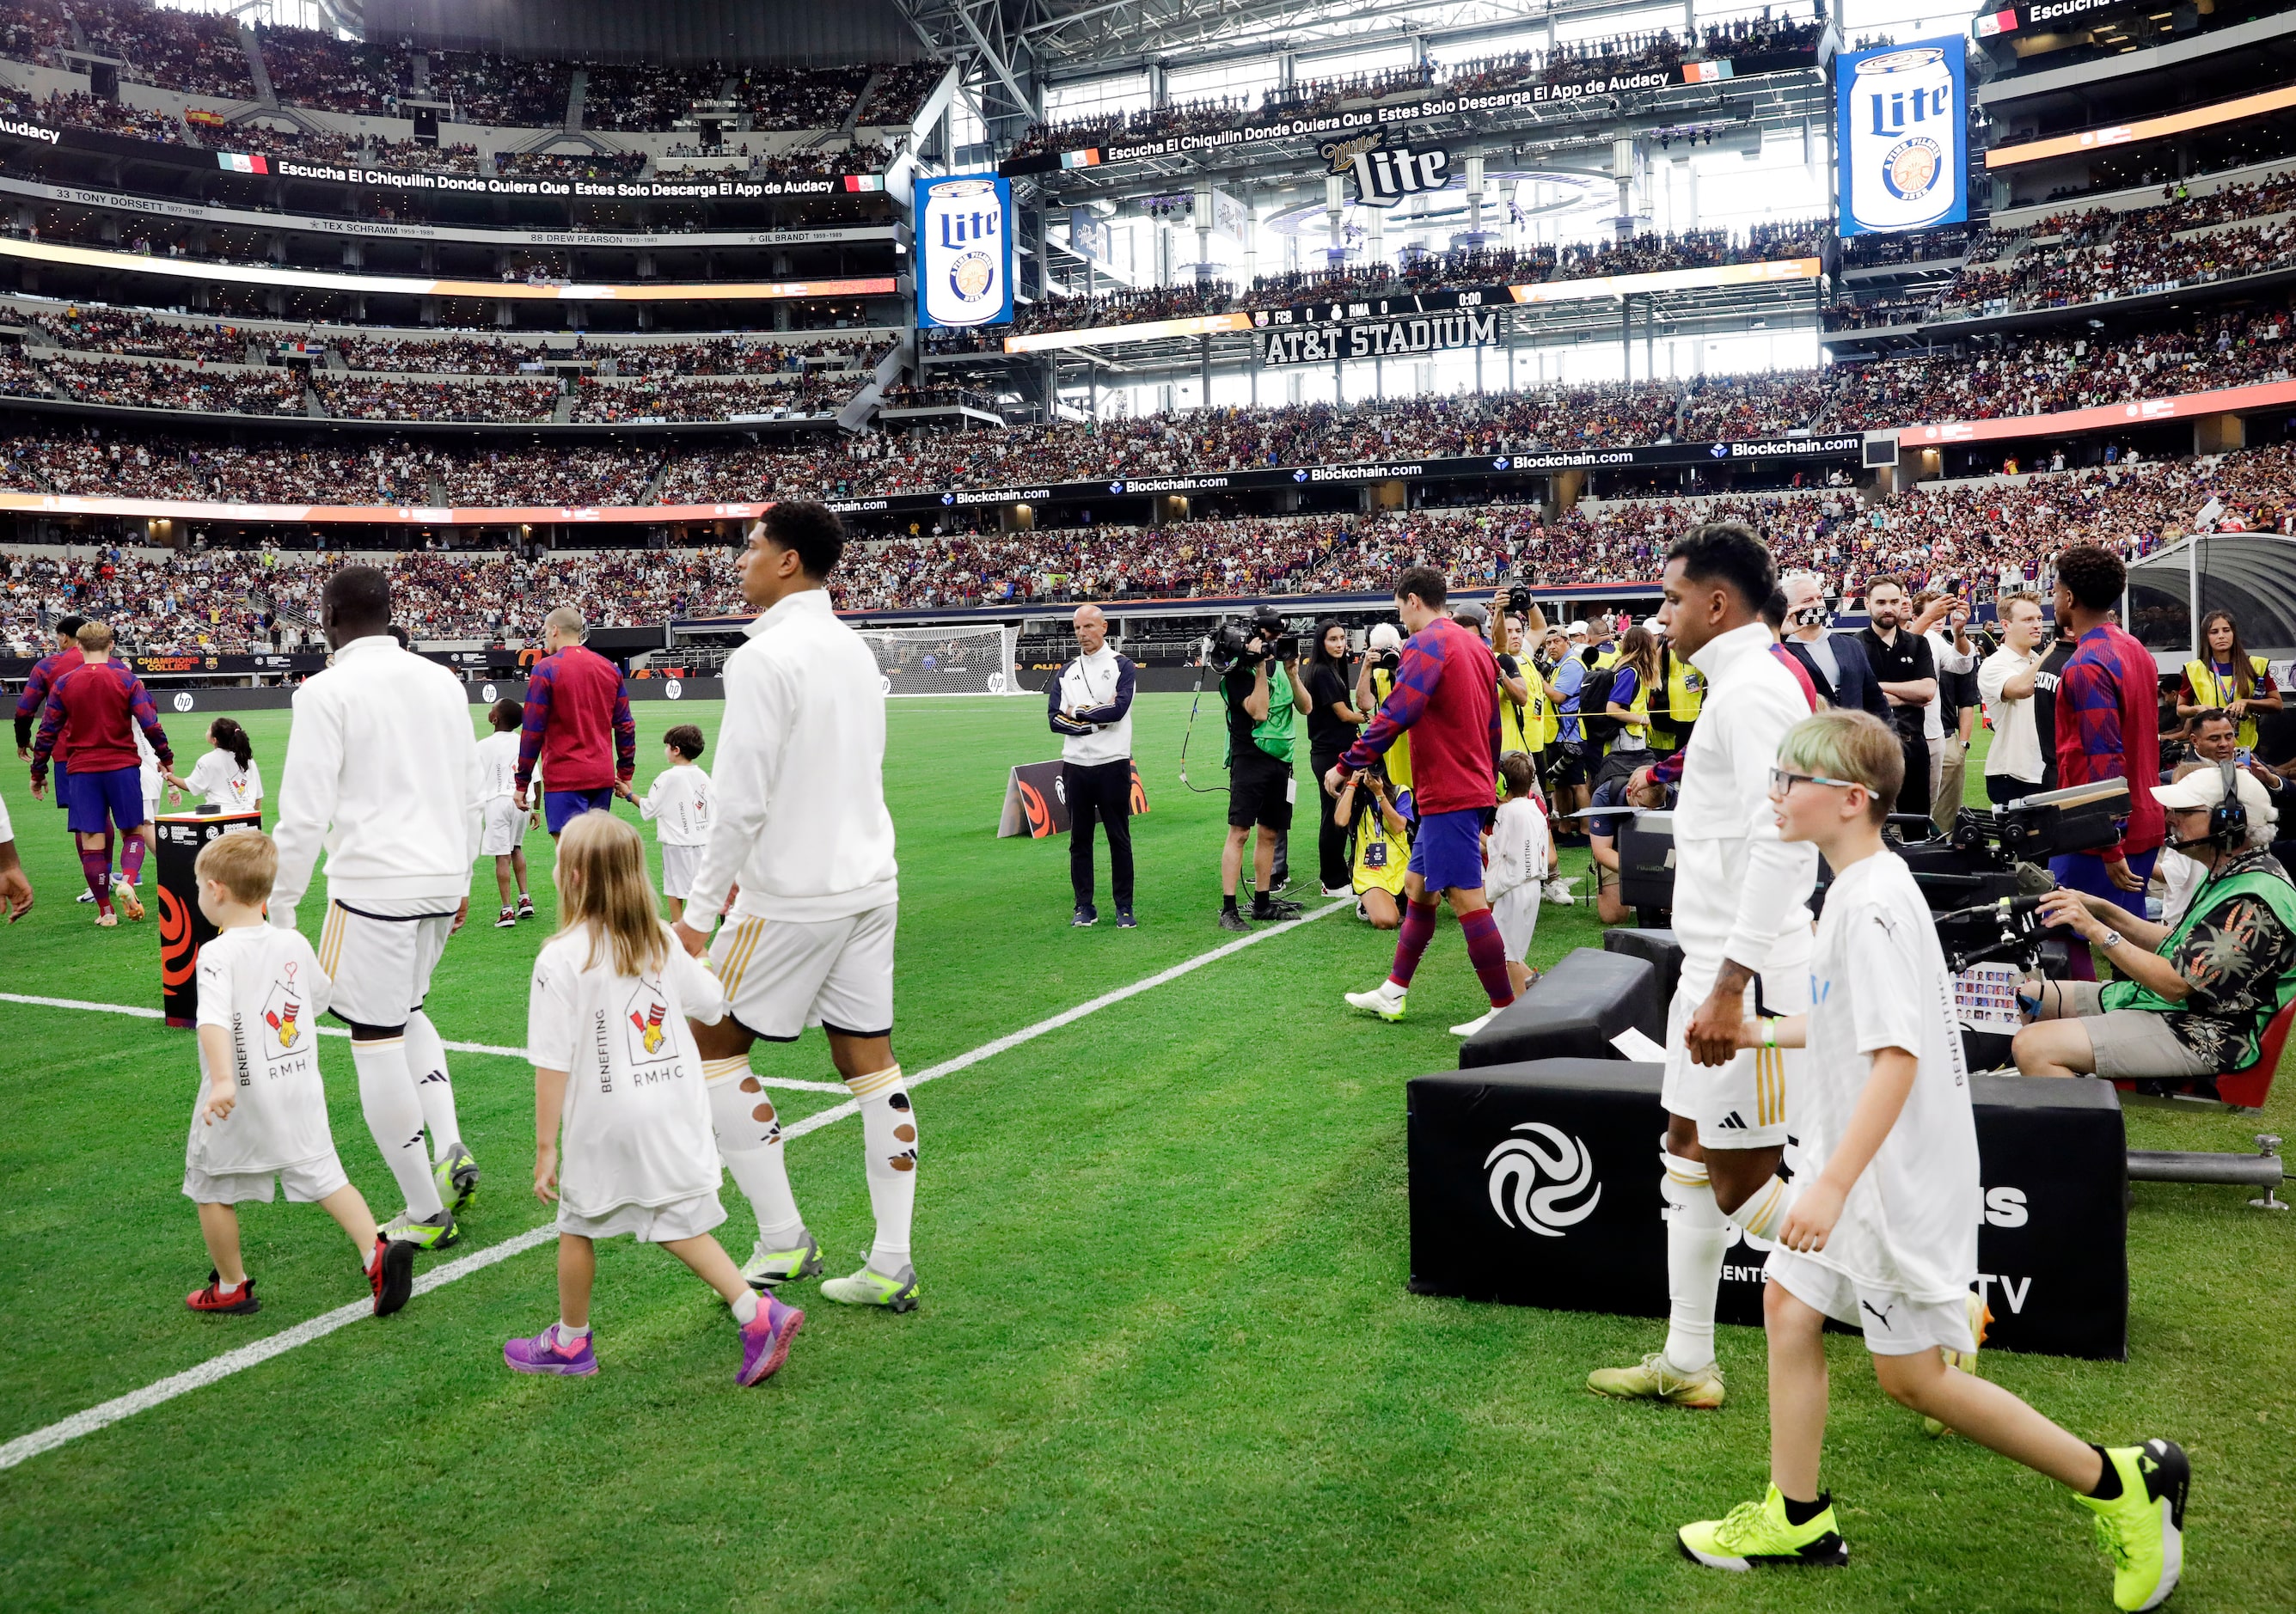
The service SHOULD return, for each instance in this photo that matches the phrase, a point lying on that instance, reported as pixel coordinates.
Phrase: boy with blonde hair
(262, 1111)
(1879, 1228)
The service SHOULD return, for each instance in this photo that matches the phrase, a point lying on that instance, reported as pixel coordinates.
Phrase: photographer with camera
(2193, 1000)
(1260, 737)
(1375, 683)
(1445, 697)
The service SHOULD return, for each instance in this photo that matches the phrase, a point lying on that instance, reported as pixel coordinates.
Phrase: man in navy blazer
(1836, 662)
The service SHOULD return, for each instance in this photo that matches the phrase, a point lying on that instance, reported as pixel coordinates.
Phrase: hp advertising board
(1901, 137)
(964, 250)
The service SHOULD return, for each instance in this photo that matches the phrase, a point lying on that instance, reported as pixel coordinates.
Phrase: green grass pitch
(1165, 1359)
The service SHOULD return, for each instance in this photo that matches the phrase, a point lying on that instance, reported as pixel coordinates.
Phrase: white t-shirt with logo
(225, 784)
(683, 804)
(264, 988)
(1878, 981)
(635, 1129)
(499, 764)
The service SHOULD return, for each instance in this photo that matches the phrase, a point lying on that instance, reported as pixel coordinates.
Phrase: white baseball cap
(2203, 787)
(1577, 630)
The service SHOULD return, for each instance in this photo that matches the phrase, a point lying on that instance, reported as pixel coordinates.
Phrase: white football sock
(1696, 1235)
(888, 1142)
(426, 1057)
(750, 1142)
(745, 1308)
(394, 1115)
(1764, 1214)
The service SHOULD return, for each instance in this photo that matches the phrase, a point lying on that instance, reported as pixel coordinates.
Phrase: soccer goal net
(947, 660)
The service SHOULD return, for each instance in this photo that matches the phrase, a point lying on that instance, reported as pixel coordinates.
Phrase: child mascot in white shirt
(1517, 864)
(622, 1135)
(1878, 1229)
(262, 1112)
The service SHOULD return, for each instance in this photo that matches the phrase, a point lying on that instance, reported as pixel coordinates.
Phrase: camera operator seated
(1619, 788)
(2192, 1000)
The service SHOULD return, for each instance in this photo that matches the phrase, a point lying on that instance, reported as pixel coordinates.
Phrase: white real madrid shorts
(1743, 1104)
(680, 865)
(380, 963)
(1894, 1324)
(647, 1224)
(305, 1185)
(783, 975)
(502, 827)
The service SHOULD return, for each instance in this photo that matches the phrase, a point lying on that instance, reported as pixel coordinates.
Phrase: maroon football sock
(1488, 953)
(1411, 941)
(131, 859)
(95, 864)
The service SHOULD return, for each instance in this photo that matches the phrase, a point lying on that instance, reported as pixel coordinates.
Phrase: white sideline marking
(140, 1012)
(106, 1414)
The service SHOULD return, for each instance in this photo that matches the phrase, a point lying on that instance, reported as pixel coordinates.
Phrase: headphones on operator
(2228, 818)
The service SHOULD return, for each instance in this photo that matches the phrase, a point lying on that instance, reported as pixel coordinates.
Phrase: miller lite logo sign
(1901, 130)
(1385, 175)
(964, 252)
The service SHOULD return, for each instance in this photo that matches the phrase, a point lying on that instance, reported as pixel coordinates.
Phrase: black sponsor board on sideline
(1529, 462)
(1537, 1184)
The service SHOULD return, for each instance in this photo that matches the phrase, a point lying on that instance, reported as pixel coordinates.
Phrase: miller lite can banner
(964, 250)
(1901, 137)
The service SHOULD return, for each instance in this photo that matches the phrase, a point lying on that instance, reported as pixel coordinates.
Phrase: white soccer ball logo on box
(1516, 1166)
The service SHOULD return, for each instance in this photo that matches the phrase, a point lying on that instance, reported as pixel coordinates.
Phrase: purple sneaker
(766, 1339)
(543, 1354)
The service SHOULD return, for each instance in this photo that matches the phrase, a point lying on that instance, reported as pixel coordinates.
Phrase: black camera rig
(1230, 644)
(1977, 860)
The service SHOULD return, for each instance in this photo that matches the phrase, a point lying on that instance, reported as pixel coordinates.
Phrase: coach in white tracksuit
(382, 772)
(802, 826)
(1741, 916)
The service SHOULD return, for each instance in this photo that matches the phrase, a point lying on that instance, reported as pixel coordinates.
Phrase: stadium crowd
(1663, 51)
(2088, 255)
(675, 398)
(373, 397)
(1995, 535)
(1430, 272)
(2039, 375)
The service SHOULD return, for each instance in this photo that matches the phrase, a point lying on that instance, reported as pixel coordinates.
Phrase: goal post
(968, 660)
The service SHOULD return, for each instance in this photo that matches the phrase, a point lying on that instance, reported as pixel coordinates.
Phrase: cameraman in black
(1261, 784)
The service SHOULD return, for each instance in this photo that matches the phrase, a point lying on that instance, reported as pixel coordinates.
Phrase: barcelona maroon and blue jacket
(1447, 694)
(93, 713)
(578, 724)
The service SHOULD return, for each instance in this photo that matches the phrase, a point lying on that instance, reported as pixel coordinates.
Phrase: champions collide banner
(1901, 137)
(964, 250)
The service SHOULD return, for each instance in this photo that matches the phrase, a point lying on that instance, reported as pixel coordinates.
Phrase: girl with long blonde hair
(617, 1077)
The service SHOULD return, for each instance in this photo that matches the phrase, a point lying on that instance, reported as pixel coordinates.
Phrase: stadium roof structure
(2250, 574)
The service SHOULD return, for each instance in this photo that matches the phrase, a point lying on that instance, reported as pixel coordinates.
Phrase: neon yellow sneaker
(428, 1233)
(870, 1287)
(1757, 1532)
(765, 1269)
(1980, 1318)
(1653, 1380)
(457, 1177)
(2142, 1531)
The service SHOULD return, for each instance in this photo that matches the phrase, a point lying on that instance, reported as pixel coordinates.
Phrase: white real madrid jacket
(801, 818)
